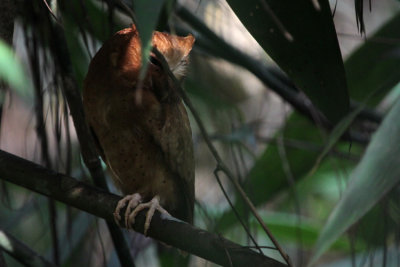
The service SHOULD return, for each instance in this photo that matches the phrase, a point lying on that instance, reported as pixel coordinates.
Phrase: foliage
(325, 182)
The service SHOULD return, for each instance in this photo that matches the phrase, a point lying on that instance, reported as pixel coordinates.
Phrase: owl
(141, 128)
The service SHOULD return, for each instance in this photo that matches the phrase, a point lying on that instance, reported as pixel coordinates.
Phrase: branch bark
(100, 203)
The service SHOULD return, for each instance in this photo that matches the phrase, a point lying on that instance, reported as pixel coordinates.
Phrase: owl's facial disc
(175, 50)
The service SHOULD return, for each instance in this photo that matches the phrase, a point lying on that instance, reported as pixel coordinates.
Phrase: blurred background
(291, 164)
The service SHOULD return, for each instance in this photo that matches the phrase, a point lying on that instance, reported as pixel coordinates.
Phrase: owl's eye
(155, 61)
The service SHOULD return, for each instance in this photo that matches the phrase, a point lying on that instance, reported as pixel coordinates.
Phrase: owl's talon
(152, 205)
(133, 201)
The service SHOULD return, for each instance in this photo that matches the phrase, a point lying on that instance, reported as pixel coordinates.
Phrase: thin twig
(227, 254)
(277, 21)
(235, 211)
(267, 247)
(372, 39)
(316, 5)
(32, 47)
(51, 12)
(292, 189)
(306, 145)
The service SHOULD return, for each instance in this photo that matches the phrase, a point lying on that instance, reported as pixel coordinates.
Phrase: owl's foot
(152, 205)
(135, 206)
(133, 201)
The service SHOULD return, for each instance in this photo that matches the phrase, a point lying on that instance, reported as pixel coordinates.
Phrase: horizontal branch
(95, 201)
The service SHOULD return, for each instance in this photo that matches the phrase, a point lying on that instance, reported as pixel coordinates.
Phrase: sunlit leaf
(376, 174)
(11, 71)
(147, 14)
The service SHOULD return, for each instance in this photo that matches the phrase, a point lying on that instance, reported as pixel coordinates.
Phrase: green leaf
(90, 16)
(336, 133)
(374, 67)
(267, 179)
(207, 93)
(11, 71)
(147, 14)
(301, 39)
(289, 228)
(79, 57)
(376, 174)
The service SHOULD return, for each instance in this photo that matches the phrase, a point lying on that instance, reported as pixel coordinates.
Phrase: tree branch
(100, 203)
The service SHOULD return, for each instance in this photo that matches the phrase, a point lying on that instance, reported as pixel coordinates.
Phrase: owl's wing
(179, 150)
(99, 148)
(175, 140)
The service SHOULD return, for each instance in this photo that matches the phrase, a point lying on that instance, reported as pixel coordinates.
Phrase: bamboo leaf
(300, 37)
(267, 178)
(376, 174)
(11, 71)
(336, 133)
(374, 65)
(147, 14)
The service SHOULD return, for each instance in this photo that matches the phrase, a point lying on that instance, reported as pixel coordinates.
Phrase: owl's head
(119, 60)
(175, 49)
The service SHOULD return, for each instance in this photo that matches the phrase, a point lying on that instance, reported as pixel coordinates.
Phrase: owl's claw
(152, 205)
(133, 201)
(134, 207)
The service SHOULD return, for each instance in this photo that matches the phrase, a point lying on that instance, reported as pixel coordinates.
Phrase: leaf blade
(370, 181)
(12, 72)
(312, 59)
(147, 14)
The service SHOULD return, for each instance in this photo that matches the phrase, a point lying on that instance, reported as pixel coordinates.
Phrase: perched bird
(143, 132)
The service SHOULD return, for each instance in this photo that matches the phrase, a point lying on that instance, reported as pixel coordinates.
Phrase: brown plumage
(144, 137)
